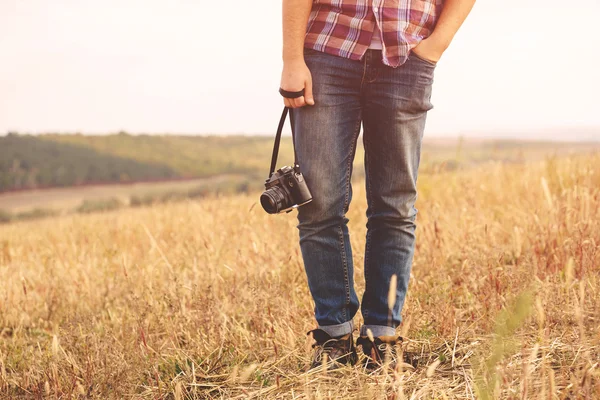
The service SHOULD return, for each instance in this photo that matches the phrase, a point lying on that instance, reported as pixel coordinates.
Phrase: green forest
(28, 162)
(62, 160)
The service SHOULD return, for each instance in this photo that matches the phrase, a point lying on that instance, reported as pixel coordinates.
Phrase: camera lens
(273, 200)
(268, 203)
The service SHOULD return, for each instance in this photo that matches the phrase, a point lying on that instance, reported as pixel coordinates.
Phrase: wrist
(291, 57)
(439, 41)
(294, 61)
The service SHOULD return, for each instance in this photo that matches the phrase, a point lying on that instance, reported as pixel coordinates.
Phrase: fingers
(299, 102)
(307, 99)
(308, 93)
(289, 102)
(294, 103)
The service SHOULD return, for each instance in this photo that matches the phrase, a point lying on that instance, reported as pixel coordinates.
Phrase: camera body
(285, 190)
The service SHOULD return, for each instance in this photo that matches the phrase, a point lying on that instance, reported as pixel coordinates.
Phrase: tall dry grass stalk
(209, 299)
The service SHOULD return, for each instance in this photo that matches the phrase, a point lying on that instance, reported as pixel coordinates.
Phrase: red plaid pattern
(344, 27)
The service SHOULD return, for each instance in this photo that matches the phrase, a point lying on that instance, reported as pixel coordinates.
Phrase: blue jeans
(392, 104)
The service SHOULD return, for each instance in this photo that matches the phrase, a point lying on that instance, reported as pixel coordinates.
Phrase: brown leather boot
(339, 351)
(378, 349)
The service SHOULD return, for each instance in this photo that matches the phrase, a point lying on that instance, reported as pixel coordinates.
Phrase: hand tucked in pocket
(430, 49)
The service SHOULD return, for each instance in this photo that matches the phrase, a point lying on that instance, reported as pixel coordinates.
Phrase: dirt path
(72, 197)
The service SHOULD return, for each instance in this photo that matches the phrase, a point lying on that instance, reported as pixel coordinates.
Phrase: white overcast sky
(200, 66)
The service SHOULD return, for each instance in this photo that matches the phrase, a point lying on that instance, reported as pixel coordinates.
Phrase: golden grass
(209, 299)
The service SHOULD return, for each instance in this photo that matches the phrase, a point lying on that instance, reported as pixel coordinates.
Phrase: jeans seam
(345, 263)
(346, 205)
(426, 61)
(368, 238)
(349, 166)
(362, 79)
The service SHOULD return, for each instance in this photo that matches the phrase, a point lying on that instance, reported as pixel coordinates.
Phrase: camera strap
(278, 140)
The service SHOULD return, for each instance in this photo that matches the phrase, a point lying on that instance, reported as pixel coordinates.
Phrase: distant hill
(32, 162)
(564, 134)
(28, 162)
(55, 160)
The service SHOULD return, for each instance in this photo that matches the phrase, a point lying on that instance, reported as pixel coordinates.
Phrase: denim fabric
(391, 104)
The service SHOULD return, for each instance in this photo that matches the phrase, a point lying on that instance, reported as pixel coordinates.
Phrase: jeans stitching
(426, 61)
(349, 166)
(346, 205)
(362, 79)
(375, 75)
(368, 239)
(345, 263)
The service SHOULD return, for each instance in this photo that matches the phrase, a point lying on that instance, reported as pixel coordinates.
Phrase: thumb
(308, 93)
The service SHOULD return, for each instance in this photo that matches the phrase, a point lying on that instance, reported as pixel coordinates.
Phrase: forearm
(295, 18)
(452, 17)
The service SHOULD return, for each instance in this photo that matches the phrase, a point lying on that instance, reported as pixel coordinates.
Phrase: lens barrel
(274, 200)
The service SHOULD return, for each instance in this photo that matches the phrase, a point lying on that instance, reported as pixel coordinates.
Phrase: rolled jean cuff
(378, 330)
(338, 330)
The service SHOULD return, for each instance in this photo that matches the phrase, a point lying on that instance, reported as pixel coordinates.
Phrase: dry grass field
(208, 299)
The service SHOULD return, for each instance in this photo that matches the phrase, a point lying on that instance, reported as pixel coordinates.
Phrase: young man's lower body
(392, 104)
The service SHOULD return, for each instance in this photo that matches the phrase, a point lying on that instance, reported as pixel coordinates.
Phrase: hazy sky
(184, 66)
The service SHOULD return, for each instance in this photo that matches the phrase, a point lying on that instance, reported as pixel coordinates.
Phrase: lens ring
(274, 199)
(268, 203)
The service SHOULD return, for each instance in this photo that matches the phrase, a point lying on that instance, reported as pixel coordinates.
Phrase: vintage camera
(285, 190)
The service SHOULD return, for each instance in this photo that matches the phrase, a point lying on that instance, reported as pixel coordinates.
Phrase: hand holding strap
(291, 95)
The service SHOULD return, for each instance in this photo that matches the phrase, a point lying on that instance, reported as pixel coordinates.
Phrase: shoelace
(377, 347)
(326, 348)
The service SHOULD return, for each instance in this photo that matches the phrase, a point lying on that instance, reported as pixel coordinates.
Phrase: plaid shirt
(345, 27)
